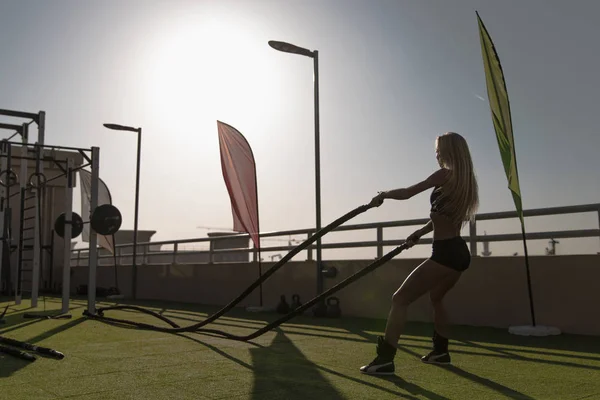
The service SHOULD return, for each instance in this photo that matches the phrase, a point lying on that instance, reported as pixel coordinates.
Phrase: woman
(454, 200)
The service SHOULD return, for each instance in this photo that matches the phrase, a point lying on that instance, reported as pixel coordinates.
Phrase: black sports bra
(435, 201)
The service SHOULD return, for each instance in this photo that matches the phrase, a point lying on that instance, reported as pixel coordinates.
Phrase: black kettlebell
(283, 307)
(295, 302)
(333, 307)
(320, 310)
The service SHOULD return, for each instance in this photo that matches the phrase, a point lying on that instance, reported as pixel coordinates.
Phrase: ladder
(29, 247)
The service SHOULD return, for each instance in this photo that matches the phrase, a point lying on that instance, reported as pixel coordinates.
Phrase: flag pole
(260, 276)
(115, 264)
(528, 275)
(502, 120)
(258, 233)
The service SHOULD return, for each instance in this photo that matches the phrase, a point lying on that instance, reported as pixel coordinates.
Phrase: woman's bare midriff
(443, 228)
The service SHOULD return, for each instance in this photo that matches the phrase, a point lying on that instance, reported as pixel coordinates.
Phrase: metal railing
(213, 254)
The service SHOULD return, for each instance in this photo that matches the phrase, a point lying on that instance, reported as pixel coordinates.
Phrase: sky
(393, 75)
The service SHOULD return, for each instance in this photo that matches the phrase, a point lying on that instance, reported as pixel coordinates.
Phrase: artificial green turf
(307, 358)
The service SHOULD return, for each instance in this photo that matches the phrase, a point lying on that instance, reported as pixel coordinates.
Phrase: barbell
(106, 220)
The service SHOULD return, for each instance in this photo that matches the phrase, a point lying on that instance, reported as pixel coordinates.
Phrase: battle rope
(17, 353)
(32, 347)
(371, 267)
(100, 311)
(3, 314)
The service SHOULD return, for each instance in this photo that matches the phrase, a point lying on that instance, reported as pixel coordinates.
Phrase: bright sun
(204, 66)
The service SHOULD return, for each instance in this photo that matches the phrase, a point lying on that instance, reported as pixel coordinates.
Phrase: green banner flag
(500, 107)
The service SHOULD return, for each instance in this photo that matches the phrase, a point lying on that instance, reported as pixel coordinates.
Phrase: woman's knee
(401, 298)
(437, 294)
(436, 299)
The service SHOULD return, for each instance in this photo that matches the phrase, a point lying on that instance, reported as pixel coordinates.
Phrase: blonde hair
(460, 192)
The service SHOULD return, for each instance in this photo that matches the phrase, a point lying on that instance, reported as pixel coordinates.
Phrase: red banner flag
(239, 172)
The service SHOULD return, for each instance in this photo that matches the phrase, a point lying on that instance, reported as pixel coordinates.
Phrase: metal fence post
(175, 247)
(598, 225)
(473, 237)
(379, 240)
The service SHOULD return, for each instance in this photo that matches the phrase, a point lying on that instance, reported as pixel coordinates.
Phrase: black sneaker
(436, 358)
(379, 366)
(383, 364)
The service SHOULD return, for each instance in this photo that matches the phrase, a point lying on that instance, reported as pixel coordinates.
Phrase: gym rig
(26, 244)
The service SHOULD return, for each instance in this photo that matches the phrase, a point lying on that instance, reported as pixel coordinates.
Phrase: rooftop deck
(307, 358)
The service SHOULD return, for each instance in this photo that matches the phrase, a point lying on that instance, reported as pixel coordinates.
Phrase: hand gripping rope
(196, 327)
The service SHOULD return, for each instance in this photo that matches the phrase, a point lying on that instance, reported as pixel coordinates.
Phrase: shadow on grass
(217, 350)
(491, 335)
(288, 374)
(513, 354)
(17, 325)
(504, 390)
(283, 383)
(409, 387)
(415, 390)
(56, 330)
(464, 338)
(9, 364)
(564, 342)
(15, 321)
(281, 371)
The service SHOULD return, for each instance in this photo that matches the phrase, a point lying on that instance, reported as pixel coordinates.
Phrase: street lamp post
(137, 198)
(290, 48)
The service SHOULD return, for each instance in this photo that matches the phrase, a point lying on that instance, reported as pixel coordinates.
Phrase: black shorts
(452, 253)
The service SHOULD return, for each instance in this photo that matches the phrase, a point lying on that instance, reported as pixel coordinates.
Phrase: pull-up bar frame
(51, 147)
(39, 118)
(22, 114)
(91, 155)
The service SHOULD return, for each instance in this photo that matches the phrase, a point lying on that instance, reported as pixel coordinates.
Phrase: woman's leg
(425, 277)
(440, 318)
(440, 355)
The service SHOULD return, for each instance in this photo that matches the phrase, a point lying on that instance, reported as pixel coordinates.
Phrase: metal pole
(52, 214)
(3, 206)
(66, 279)
(531, 306)
(41, 127)
(317, 170)
(135, 222)
(18, 114)
(19, 266)
(599, 223)
(22, 181)
(8, 226)
(37, 236)
(93, 249)
(41, 123)
(473, 237)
